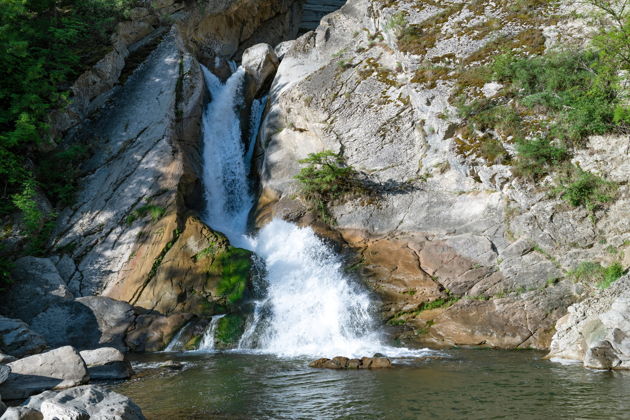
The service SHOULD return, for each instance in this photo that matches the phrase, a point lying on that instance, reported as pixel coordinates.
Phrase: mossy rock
(229, 330)
(193, 343)
(232, 268)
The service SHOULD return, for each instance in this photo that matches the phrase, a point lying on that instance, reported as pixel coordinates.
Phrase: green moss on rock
(229, 330)
(233, 267)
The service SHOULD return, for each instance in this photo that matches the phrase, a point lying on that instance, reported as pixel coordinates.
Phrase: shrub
(535, 158)
(326, 178)
(582, 188)
(156, 213)
(593, 272)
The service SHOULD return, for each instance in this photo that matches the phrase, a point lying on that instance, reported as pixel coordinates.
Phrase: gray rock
(86, 323)
(96, 402)
(5, 358)
(37, 286)
(107, 363)
(22, 413)
(17, 339)
(5, 371)
(55, 369)
(260, 62)
(66, 268)
(596, 331)
(3, 407)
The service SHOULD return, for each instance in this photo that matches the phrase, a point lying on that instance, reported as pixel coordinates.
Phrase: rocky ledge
(596, 331)
(340, 362)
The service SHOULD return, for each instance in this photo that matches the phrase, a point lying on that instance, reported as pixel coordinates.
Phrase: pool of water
(472, 384)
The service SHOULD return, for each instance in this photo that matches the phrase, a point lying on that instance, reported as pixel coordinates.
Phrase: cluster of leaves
(602, 276)
(326, 178)
(46, 44)
(156, 213)
(584, 189)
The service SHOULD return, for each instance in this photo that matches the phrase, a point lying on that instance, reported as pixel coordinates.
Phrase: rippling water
(471, 384)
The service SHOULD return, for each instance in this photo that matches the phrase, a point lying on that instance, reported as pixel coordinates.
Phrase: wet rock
(91, 401)
(38, 286)
(86, 323)
(55, 369)
(596, 330)
(341, 362)
(3, 407)
(106, 363)
(172, 365)
(22, 413)
(17, 339)
(153, 332)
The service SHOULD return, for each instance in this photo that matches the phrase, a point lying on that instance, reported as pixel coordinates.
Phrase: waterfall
(309, 306)
(207, 341)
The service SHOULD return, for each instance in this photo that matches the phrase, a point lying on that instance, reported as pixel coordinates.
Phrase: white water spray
(310, 307)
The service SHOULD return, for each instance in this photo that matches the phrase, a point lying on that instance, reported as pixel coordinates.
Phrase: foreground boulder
(85, 402)
(17, 339)
(55, 369)
(596, 331)
(86, 323)
(107, 363)
(341, 362)
(22, 413)
(40, 286)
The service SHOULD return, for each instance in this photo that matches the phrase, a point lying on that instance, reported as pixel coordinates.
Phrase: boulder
(341, 362)
(92, 401)
(260, 63)
(40, 286)
(55, 369)
(106, 363)
(22, 413)
(86, 323)
(596, 330)
(17, 339)
(5, 358)
(3, 407)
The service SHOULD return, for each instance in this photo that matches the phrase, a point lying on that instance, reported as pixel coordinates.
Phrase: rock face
(17, 339)
(341, 362)
(442, 228)
(260, 62)
(152, 332)
(40, 286)
(86, 323)
(56, 369)
(596, 331)
(106, 363)
(5, 371)
(85, 402)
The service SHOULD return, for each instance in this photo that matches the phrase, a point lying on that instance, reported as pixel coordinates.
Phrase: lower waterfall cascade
(309, 307)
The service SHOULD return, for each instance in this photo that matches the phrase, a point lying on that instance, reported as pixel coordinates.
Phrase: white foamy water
(309, 306)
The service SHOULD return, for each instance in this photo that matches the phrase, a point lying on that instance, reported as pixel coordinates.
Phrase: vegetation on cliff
(46, 45)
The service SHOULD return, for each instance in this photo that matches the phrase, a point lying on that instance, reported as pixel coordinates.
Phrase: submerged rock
(340, 362)
(85, 402)
(55, 369)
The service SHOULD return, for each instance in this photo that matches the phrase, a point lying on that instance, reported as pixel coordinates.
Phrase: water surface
(471, 384)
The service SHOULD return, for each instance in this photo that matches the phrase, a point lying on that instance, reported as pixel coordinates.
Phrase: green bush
(593, 272)
(582, 188)
(535, 158)
(326, 178)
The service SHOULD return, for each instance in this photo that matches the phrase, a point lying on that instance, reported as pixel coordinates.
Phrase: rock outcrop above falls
(446, 238)
(596, 331)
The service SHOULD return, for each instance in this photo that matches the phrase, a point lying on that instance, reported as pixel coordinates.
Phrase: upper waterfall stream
(308, 306)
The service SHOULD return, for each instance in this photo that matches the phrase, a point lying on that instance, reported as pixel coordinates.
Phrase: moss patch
(233, 268)
(229, 330)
